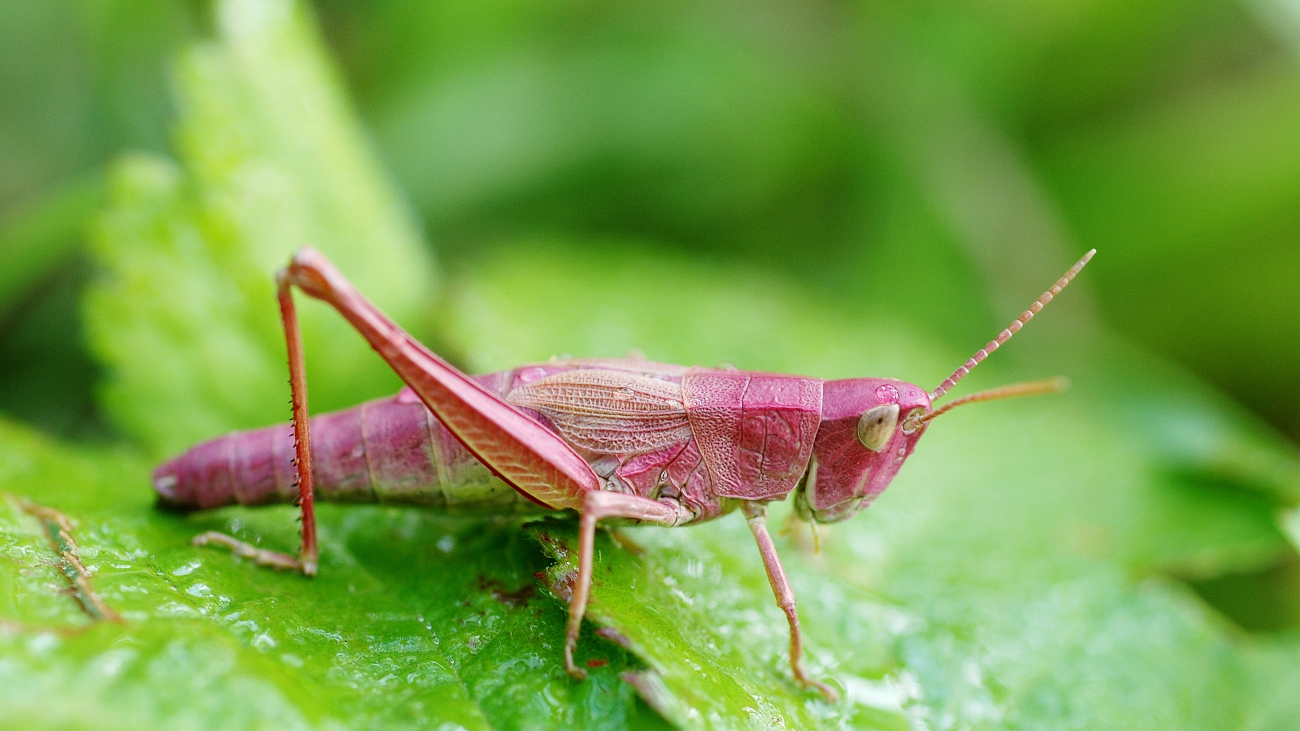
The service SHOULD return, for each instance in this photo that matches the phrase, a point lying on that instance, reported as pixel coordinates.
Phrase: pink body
(611, 439)
(699, 438)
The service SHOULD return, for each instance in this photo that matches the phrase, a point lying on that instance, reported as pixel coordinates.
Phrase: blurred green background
(935, 163)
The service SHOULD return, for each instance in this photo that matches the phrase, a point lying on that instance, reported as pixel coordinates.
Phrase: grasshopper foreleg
(756, 514)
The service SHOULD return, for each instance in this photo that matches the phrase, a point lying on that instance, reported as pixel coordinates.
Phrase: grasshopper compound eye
(877, 426)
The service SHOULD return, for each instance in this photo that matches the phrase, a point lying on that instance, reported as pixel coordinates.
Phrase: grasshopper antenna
(1004, 336)
(1031, 388)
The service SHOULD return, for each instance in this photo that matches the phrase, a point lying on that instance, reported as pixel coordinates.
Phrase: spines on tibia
(390, 450)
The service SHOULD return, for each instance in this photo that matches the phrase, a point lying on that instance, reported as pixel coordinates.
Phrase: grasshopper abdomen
(390, 450)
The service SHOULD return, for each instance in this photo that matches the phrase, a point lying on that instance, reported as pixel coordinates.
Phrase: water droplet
(187, 569)
(528, 375)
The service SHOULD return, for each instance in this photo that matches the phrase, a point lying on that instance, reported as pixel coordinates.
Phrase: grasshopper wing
(609, 411)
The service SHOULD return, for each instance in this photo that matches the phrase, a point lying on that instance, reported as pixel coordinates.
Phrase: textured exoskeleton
(631, 439)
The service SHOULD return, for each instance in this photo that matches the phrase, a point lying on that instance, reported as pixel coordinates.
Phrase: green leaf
(270, 160)
(979, 592)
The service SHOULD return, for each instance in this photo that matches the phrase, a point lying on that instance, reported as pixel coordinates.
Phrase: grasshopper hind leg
(532, 459)
(307, 559)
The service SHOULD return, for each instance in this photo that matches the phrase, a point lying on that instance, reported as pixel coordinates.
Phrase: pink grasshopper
(644, 442)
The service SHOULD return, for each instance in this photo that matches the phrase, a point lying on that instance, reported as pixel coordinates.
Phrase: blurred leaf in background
(271, 160)
(81, 82)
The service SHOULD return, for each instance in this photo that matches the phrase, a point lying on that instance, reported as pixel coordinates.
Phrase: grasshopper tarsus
(259, 556)
(571, 668)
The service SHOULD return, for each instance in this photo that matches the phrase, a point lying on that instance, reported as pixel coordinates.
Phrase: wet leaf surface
(1009, 579)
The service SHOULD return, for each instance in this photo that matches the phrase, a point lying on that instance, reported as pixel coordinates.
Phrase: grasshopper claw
(574, 671)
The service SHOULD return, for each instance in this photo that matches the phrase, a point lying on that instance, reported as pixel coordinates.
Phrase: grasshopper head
(870, 425)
